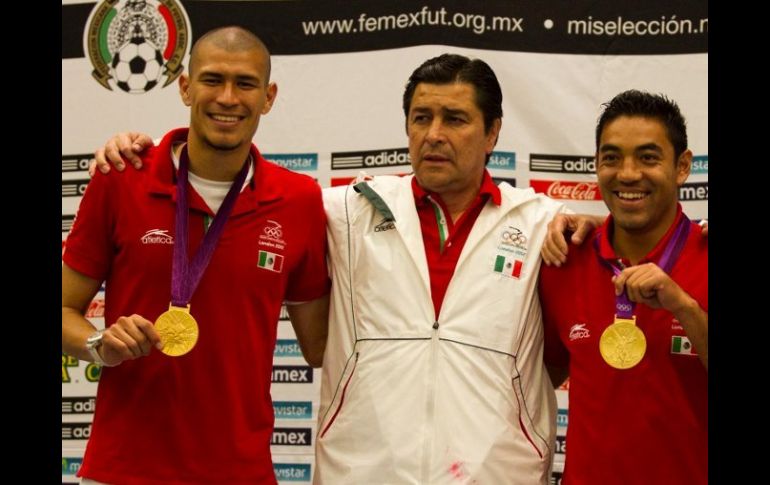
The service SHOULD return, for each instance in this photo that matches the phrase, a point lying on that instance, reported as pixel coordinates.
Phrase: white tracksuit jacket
(407, 398)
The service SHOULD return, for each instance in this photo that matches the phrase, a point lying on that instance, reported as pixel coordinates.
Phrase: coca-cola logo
(560, 189)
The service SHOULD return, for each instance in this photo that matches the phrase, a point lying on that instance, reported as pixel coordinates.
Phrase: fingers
(129, 338)
(554, 251)
(642, 284)
(99, 162)
(110, 154)
(134, 145)
(121, 148)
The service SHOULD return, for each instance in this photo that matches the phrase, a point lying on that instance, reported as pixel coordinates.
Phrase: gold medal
(178, 330)
(622, 344)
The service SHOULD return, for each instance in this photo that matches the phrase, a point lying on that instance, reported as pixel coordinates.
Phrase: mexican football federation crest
(135, 45)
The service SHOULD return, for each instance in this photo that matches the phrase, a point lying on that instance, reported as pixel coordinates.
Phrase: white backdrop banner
(341, 68)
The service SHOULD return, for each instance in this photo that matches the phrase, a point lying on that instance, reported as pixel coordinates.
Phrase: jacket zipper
(431, 404)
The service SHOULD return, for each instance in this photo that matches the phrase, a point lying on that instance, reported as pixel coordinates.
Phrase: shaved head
(232, 39)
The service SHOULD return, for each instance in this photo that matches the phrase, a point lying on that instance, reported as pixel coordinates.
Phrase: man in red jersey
(626, 315)
(202, 412)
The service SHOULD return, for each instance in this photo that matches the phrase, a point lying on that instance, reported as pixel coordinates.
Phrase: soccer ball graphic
(137, 66)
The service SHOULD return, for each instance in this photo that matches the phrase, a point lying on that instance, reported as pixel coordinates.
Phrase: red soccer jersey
(643, 425)
(207, 416)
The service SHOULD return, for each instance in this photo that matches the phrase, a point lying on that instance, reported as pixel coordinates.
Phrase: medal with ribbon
(177, 328)
(623, 344)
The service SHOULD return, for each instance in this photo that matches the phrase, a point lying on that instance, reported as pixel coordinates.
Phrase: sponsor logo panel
(287, 348)
(75, 431)
(562, 418)
(91, 372)
(502, 160)
(563, 189)
(76, 163)
(70, 465)
(74, 187)
(541, 162)
(291, 437)
(694, 191)
(299, 162)
(66, 222)
(78, 405)
(561, 445)
(292, 472)
(95, 308)
(386, 157)
(700, 164)
(293, 409)
(292, 374)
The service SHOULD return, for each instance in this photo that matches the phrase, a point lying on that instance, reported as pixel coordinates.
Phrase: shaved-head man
(195, 275)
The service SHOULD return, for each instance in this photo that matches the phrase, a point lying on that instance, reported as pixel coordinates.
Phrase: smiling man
(626, 315)
(187, 399)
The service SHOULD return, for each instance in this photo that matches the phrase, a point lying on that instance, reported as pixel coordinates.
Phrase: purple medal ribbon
(185, 275)
(624, 307)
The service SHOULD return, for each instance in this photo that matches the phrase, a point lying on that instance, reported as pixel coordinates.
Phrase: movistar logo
(293, 409)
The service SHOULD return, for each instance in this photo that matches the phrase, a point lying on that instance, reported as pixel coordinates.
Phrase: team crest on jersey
(272, 235)
(135, 45)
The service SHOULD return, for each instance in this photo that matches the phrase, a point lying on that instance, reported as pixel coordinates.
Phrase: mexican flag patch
(681, 345)
(508, 266)
(271, 261)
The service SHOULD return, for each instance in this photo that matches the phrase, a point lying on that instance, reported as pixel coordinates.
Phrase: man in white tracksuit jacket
(410, 394)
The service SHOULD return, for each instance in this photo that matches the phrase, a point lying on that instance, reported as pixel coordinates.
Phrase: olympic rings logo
(624, 307)
(273, 232)
(514, 237)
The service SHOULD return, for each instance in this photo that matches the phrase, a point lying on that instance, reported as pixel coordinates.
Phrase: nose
(435, 132)
(226, 96)
(629, 170)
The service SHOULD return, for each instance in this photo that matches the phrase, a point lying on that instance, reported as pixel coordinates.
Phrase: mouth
(630, 197)
(435, 158)
(220, 118)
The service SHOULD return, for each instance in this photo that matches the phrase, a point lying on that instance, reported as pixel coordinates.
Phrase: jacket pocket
(342, 399)
(524, 420)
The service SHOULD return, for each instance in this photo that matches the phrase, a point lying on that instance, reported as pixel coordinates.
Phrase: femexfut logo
(136, 44)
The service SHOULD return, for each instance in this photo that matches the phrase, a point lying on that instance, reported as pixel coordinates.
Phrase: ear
(493, 134)
(683, 166)
(184, 89)
(271, 92)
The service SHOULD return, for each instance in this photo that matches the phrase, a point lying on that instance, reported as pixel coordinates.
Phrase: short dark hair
(646, 105)
(234, 38)
(452, 68)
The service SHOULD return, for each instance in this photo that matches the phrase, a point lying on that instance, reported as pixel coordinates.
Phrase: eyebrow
(608, 147)
(444, 111)
(240, 77)
(650, 146)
